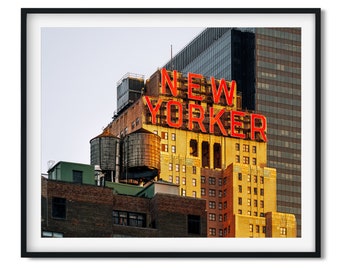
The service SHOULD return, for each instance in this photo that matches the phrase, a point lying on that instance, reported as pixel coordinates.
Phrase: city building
(75, 205)
(189, 130)
(266, 64)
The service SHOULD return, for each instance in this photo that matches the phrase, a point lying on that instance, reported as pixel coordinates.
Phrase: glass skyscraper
(278, 96)
(266, 64)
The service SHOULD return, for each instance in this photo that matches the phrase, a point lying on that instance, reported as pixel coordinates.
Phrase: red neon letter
(261, 129)
(216, 120)
(180, 115)
(192, 85)
(235, 123)
(199, 119)
(152, 109)
(228, 92)
(166, 80)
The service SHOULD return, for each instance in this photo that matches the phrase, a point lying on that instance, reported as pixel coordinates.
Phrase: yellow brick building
(211, 151)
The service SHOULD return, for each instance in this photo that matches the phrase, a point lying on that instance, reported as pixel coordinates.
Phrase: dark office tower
(266, 64)
(223, 53)
(278, 96)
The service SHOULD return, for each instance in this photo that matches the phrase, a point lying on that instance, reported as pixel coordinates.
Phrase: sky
(80, 69)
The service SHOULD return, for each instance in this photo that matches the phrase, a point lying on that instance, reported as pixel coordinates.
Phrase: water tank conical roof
(106, 133)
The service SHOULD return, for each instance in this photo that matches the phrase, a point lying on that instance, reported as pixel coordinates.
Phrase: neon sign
(199, 115)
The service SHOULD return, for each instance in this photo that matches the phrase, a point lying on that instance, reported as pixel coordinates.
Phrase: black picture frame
(26, 129)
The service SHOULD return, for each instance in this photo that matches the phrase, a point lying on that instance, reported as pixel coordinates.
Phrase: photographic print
(171, 132)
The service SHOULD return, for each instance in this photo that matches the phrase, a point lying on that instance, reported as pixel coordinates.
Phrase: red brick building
(119, 210)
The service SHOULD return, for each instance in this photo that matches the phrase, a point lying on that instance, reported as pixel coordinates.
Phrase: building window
(59, 208)
(225, 205)
(212, 205)
(254, 161)
(220, 193)
(237, 159)
(120, 218)
(248, 190)
(249, 213)
(261, 180)
(255, 178)
(155, 132)
(177, 167)
(240, 188)
(202, 191)
(251, 227)
(173, 136)
(136, 220)
(255, 203)
(249, 202)
(261, 204)
(212, 231)
(202, 179)
(239, 211)
(239, 176)
(184, 181)
(254, 149)
(212, 181)
(170, 166)
(283, 231)
(183, 192)
(164, 135)
(194, 224)
(257, 228)
(248, 178)
(52, 234)
(245, 148)
(77, 177)
(193, 148)
(262, 192)
(255, 191)
(264, 229)
(194, 182)
(212, 217)
(177, 180)
(205, 154)
(220, 181)
(137, 121)
(193, 169)
(164, 147)
(237, 146)
(219, 206)
(173, 148)
(212, 192)
(184, 168)
(170, 178)
(245, 160)
(217, 155)
(194, 194)
(220, 218)
(132, 125)
(240, 201)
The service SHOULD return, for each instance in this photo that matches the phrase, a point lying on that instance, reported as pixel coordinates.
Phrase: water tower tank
(105, 152)
(141, 155)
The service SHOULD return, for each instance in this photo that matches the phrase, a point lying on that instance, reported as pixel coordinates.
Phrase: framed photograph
(171, 132)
